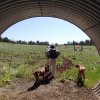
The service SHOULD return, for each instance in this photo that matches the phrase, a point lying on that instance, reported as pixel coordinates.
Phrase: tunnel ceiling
(85, 14)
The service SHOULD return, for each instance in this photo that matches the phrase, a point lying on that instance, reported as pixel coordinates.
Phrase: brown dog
(81, 75)
(43, 74)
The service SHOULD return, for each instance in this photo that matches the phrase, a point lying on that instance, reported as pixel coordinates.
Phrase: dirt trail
(52, 91)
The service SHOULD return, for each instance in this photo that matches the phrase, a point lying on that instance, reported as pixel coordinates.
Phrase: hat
(52, 46)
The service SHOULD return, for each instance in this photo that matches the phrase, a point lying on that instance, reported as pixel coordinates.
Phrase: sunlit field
(19, 61)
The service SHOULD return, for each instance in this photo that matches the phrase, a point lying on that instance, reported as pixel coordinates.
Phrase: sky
(42, 29)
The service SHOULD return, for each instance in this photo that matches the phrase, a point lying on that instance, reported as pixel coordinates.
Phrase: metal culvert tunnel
(85, 14)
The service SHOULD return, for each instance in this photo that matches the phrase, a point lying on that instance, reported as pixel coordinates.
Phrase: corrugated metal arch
(82, 13)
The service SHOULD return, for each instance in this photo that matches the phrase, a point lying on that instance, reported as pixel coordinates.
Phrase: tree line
(86, 42)
(5, 39)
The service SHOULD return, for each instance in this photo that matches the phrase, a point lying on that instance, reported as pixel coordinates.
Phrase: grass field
(18, 61)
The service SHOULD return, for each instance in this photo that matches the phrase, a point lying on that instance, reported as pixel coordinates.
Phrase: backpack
(52, 53)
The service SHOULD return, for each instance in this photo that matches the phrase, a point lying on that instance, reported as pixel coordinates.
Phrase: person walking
(52, 54)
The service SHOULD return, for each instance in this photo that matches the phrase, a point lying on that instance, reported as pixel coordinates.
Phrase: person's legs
(50, 64)
(53, 66)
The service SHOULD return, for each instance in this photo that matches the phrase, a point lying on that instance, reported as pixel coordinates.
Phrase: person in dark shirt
(52, 54)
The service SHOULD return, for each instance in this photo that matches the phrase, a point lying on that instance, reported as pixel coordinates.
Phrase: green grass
(23, 72)
(21, 60)
(90, 58)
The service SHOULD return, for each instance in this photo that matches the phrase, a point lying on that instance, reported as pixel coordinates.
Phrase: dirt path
(53, 91)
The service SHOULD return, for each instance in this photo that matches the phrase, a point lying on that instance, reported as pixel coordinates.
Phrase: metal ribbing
(83, 13)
